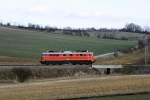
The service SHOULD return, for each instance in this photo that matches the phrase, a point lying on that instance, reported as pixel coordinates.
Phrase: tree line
(130, 27)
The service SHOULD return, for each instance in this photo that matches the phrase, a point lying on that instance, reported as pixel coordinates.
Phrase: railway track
(69, 65)
(21, 65)
(36, 66)
(72, 66)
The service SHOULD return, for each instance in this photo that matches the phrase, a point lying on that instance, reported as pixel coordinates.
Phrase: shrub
(22, 74)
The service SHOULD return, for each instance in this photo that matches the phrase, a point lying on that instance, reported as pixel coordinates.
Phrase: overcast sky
(76, 13)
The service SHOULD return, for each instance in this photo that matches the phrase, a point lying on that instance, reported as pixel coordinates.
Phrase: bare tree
(131, 27)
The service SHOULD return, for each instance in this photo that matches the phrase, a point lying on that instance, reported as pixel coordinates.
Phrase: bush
(22, 74)
(123, 38)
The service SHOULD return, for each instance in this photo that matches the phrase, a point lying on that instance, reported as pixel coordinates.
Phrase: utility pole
(146, 50)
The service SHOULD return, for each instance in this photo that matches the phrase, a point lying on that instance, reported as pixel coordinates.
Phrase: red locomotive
(66, 57)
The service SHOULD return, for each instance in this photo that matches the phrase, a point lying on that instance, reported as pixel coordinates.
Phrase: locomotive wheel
(53, 63)
(60, 63)
(73, 63)
(47, 63)
(80, 63)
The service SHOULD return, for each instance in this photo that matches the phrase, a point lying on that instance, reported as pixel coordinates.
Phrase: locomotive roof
(65, 52)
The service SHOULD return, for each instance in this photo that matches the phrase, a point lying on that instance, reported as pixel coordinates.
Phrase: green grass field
(30, 44)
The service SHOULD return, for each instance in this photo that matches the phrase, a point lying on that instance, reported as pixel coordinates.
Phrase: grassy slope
(83, 87)
(136, 57)
(29, 44)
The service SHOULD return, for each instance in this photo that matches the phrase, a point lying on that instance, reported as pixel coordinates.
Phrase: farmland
(29, 44)
(75, 88)
(142, 96)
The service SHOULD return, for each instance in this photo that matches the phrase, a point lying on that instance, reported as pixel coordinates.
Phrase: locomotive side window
(77, 54)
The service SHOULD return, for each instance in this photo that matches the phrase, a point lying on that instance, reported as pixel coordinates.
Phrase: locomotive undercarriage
(66, 62)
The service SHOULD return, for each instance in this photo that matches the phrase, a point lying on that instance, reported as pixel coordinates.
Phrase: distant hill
(24, 43)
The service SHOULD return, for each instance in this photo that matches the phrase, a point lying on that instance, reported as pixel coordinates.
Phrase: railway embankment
(22, 73)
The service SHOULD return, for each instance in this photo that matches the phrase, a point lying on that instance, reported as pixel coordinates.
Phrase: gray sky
(76, 13)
